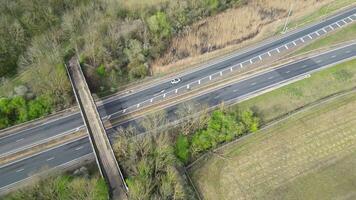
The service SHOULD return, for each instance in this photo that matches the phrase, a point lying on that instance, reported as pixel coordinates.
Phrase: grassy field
(343, 35)
(309, 156)
(286, 99)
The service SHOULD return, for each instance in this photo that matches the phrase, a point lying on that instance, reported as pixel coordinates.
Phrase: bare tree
(193, 116)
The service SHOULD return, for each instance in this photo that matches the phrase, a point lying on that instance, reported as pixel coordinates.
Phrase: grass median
(277, 103)
(308, 156)
(346, 34)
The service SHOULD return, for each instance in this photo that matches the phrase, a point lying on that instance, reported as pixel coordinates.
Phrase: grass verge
(343, 35)
(309, 156)
(321, 84)
(321, 12)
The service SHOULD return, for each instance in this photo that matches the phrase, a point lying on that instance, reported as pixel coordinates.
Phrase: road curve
(20, 170)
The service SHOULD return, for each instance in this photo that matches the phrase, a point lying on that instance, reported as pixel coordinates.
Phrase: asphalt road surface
(118, 106)
(22, 169)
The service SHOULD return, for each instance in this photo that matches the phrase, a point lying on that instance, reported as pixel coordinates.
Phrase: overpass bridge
(103, 152)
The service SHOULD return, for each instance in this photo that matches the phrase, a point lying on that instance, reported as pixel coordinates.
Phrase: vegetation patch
(63, 187)
(309, 156)
(17, 110)
(343, 35)
(277, 103)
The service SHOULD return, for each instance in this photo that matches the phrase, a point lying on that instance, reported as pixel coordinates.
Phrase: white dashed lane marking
(78, 148)
(20, 170)
(49, 159)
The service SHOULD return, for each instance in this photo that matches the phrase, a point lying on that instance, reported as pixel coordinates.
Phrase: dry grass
(234, 28)
(310, 156)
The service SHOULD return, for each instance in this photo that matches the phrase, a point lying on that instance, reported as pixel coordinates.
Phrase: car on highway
(175, 81)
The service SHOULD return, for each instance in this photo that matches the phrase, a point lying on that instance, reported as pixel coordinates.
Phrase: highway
(21, 169)
(119, 106)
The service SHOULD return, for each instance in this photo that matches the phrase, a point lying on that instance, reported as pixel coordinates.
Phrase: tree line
(17, 109)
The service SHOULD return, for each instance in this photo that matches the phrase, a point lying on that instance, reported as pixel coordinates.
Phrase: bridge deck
(102, 148)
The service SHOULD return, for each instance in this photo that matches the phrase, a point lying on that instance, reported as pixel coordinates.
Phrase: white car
(175, 81)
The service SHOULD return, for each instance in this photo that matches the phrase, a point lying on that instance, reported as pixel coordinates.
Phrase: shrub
(101, 70)
(18, 109)
(182, 148)
(222, 127)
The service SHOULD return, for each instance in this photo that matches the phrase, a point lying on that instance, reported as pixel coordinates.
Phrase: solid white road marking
(20, 170)
(78, 148)
(269, 78)
(51, 158)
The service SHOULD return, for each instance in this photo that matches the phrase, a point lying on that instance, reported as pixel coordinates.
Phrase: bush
(39, 107)
(101, 70)
(63, 187)
(223, 127)
(182, 148)
(17, 110)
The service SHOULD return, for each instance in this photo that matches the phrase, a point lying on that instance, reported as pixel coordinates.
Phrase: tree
(249, 120)
(19, 110)
(182, 148)
(39, 107)
(159, 26)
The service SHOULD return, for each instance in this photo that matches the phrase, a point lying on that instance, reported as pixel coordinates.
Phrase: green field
(320, 85)
(309, 156)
